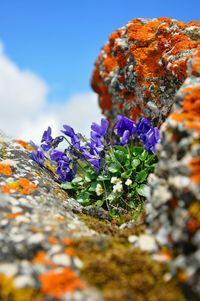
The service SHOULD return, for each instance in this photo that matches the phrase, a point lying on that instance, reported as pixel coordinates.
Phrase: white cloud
(24, 109)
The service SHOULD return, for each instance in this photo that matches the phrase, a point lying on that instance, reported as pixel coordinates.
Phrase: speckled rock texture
(50, 250)
(151, 68)
(37, 230)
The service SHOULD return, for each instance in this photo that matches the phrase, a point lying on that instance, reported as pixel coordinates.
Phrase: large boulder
(151, 68)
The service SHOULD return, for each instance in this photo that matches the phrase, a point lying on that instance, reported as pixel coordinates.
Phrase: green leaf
(135, 163)
(103, 178)
(121, 148)
(92, 187)
(99, 203)
(141, 176)
(126, 174)
(114, 167)
(144, 155)
(137, 150)
(77, 180)
(141, 190)
(150, 160)
(83, 198)
(90, 175)
(120, 156)
(67, 186)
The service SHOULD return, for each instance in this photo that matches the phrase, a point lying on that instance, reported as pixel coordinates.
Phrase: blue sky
(60, 39)
(47, 54)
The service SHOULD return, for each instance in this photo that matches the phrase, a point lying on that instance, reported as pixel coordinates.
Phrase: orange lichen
(70, 251)
(23, 186)
(193, 225)
(63, 280)
(110, 64)
(41, 258)
(5, 169)
(25, 145)
(52, 240)
(158, 49)
(194, 210)
(67, 241)
(14, 215)
(26, 186)
(195, 169)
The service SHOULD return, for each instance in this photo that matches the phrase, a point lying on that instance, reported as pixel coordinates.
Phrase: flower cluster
(92, 151)
(128, 130)
(108, 170)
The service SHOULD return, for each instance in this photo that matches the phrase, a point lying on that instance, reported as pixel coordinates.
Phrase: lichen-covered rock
(151, 68)
(174, 200)
(143, 65)
(37, 231)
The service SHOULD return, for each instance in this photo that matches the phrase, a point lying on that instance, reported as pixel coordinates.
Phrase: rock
(151, 68)
(37, 229)
(143, 65)
(147, 243)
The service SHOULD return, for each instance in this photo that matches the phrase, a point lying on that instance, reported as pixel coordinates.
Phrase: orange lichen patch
(41, 258)
(52, 240)
(5, 169)
(174, 202)
(70, 251)
(142, 34)
(110, 64)
(63, 280)
(180, 68)
(25, 144)
(14, 215)
(26, 186)
(114, 36)
(23, 186)
(195, 169)
(67, 241)
(9, 187)
(196, 62)
(193, 225)
(181, 42)
(135, 112)
(192, 100)
(194, 210)
(34, 229)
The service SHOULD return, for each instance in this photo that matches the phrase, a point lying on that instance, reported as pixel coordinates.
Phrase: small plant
(109, 170)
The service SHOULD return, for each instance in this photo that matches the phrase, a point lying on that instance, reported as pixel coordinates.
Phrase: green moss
(8, 292)
(120, 271)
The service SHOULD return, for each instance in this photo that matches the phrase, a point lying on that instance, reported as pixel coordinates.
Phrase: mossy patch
(103, 226)
(121, 271)
(124, 273)
(8, 292)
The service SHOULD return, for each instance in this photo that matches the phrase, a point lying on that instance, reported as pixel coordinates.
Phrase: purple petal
(68, 131)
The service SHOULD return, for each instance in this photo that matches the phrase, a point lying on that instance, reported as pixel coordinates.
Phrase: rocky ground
(51, 250)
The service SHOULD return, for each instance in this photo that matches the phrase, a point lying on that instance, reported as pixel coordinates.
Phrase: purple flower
(38, 155)
(56, 156)
(75, 138)
(125, 137)
(47, 140)
(68, 131)
(99, 131)
(93, 159)
(148, 134)
(66, 168)
(143, 126)
(125, 128)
